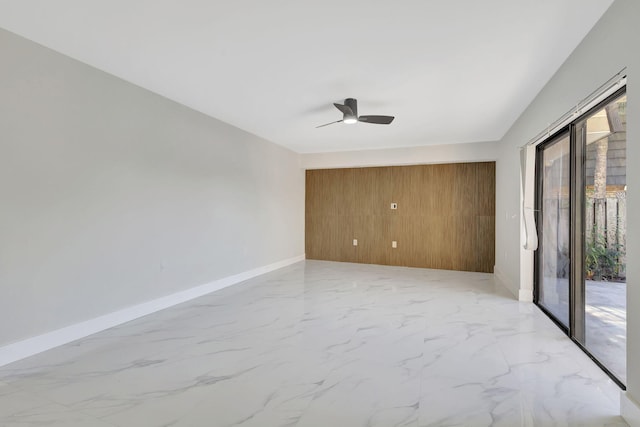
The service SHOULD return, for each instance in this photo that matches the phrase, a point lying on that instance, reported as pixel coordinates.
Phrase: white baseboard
(525, 295)
(629, 409)
(28, 347)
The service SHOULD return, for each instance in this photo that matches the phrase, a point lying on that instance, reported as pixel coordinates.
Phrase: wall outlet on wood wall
(394, 244)
(355, 242)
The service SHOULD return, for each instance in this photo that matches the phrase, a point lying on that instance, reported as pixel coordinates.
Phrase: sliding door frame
(576, 233)
(576, 329)
(539, 181)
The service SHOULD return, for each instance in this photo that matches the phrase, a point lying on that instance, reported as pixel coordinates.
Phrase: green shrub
(602, 262)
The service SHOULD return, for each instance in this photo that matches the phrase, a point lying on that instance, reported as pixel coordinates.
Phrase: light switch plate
(394, 244)
(394, 206)
(355, 242)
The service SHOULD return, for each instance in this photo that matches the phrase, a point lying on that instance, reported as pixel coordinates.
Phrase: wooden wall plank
(445, 217)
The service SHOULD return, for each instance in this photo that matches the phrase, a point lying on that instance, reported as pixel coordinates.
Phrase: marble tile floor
(322, 344)
(605, 319)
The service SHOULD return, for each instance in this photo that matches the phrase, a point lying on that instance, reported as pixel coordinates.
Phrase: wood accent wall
(445, 217)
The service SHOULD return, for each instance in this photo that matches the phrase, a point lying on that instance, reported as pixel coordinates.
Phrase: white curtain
(527, 176)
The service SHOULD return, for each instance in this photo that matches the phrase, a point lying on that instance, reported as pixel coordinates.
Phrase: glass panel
(605, 229)
(553, 261)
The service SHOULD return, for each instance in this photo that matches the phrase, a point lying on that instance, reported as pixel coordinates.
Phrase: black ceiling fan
(350, 115)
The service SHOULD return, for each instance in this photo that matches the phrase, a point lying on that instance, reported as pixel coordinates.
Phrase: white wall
(429, 154)
(611, 45)
(111, 195)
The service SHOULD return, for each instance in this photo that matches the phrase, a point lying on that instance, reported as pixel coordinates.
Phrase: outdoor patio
(606, 324)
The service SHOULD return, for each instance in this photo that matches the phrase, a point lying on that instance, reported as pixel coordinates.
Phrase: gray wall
(111, 195)
(611, 45)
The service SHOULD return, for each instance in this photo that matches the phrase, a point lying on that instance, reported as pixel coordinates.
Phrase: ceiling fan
(350, 115)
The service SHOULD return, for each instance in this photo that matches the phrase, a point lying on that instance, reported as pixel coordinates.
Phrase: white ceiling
(450, 71)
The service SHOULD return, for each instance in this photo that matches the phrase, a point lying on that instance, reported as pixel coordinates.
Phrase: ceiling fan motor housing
(353, 105)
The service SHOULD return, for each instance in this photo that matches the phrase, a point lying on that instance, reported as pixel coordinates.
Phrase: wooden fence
(606, 222)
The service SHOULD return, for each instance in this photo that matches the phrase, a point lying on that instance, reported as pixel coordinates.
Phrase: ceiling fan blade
(379, 120)
(327, 124)
(345, 110)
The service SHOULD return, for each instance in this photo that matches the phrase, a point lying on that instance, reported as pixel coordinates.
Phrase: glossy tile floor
(605, 319)
(321, 344)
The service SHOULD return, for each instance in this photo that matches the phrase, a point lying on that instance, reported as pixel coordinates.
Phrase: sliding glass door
(553, 208)
(603, 134)
(581, 219)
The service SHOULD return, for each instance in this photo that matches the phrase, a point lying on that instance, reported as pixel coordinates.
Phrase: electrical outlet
(394, 206)
(394, 244)
(355, 242)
